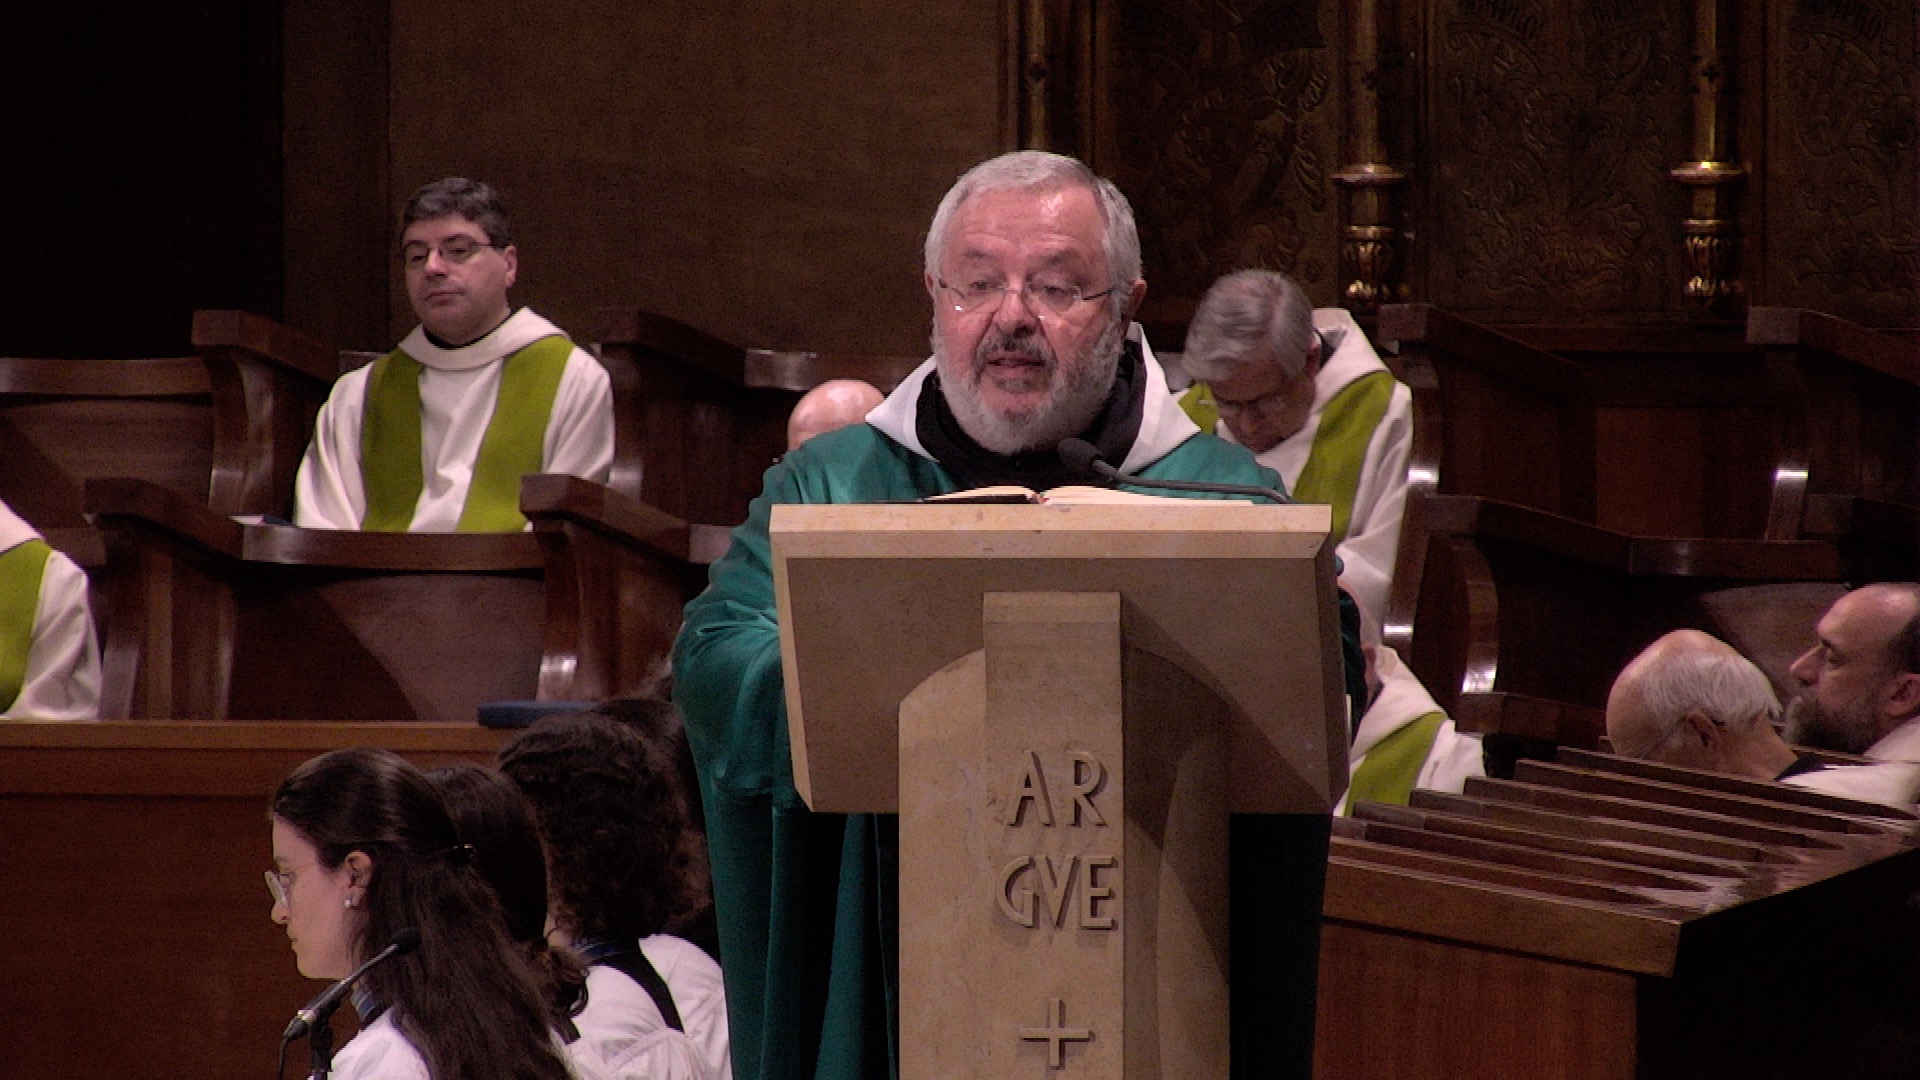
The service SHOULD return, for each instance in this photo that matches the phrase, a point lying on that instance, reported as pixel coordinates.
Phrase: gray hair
(457, 196)
(1726, 687)
(1039, 171)
(1243, 315)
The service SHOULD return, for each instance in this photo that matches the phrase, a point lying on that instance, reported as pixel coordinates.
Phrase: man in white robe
(1404, 741)
(1304, 391)
(49, 657)
(1690, 700)
(419, 440)
(1860, 683)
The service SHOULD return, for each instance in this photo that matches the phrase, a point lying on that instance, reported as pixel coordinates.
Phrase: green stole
(1332, 472)
(513, 446)
(1388, 772)
(22, 568)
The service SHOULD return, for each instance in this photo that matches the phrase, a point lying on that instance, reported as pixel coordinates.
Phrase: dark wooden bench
(64, 421)
(1574, 494)
(1852, 468)
(169, 819)
(210, 619)
(1603, 918)
(1524, 618)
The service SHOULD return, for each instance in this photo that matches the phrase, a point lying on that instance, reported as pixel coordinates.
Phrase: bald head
(832, 405)
(1689, 699)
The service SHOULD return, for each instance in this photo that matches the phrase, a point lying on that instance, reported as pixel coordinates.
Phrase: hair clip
(460, 855)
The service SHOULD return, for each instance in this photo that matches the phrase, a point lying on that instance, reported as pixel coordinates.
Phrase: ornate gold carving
(1710, 254)
(1370, 255)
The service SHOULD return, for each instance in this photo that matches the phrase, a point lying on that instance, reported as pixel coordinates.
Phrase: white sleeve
(1892, 783)
(580, 433)
(1455, 756)
(1379, 504)
(699, 993)
(379, 1052)
(63, 663)
(327, 492)
(664, 1055)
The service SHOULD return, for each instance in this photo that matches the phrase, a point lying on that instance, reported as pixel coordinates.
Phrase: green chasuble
(1331, 474)
(1388, 771)
(514, 444)
(807, 902)
(22, 568)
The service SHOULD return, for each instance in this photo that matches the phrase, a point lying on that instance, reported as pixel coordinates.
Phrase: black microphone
(322, 1007)
(1082, 457)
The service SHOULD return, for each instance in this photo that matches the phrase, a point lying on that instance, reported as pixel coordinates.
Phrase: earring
(349, 900)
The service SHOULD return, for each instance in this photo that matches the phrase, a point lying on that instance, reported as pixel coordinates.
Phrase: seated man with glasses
(435, 436)
(1032, 265)
(1304, 391)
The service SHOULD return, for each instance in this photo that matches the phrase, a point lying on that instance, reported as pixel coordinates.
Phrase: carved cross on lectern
(1057, 1035)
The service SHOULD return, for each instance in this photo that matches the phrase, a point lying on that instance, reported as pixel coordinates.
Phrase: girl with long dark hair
(492, 815)
(363, 848)
(627, 869)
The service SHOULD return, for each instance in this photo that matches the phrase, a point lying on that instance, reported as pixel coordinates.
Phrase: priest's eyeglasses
(280, 885)
(1041, 298)
(453, 251)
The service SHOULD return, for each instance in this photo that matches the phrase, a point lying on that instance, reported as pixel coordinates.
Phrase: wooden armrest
(112, 499)
(617, 577)
(1511, 360)
(802, 371)
(645, 331)
(268, 382)
(1895, 357)
(1645, 556)
(268, 340)
(166, 376)
(1527, 717)
(604, 510)
(386, 552)
(792, 370)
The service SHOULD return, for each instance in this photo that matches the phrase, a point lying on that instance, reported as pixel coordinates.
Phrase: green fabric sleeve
(1389, 771)
(22, 568)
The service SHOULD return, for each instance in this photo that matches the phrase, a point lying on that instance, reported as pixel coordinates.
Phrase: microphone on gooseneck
(1082, 457)
(319, 1009)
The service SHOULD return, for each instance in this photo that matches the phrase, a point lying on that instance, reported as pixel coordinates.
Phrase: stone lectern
(1063, 704)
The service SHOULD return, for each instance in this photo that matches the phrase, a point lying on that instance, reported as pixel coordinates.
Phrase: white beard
(1072, 402)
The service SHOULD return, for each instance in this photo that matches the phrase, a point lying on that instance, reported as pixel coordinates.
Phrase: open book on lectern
(874, 599)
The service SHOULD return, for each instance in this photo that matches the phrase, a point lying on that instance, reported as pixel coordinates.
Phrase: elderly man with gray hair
(1033, 275)
(1303, 390)
(1690, 700)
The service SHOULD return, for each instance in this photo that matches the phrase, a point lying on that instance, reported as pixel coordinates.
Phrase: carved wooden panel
(1552, 128)
(1221, 122)
(1844, 151)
